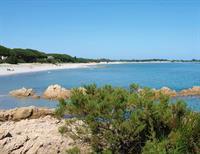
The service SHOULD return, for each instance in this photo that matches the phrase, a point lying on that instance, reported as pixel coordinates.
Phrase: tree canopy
(18, 55)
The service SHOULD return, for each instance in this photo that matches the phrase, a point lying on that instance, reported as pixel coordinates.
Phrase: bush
(12, 59)
(62, 57)
(134, 121)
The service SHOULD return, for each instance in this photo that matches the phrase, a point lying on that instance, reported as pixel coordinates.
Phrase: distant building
(4, 57)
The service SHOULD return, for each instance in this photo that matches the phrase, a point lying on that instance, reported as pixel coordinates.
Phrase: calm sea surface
(177, 76)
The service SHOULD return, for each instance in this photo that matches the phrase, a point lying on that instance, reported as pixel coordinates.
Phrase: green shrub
(74, 150)
(134, 121)
(61, 109)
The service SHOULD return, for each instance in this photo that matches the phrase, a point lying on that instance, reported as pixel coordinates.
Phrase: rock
(166, 91)
(23, 92)
(24, 113)
(41, 112)
(36, 97)
(4, 134)
(36, 136)
(21, 113)
(194, 91)
(56, 92)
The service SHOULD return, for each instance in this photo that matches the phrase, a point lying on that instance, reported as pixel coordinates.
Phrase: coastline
(12, 69)
(21, 68)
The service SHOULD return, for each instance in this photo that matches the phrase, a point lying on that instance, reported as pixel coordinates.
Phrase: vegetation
(18, 55)
(74, 150)
(132, 121)
(4, 51)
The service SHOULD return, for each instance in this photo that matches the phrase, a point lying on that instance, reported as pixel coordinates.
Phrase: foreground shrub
(134, 121)
(74, 150)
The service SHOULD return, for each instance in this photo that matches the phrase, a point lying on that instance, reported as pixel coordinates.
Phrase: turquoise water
(177, 76)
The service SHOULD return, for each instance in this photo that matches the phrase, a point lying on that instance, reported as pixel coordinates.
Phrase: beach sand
(10, 69)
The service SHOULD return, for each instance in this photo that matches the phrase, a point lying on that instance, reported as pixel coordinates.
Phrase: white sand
(10, 69)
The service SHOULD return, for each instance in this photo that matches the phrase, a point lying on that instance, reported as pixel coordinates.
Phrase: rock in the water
(194, 91)
(35, 136)
(23, 92)
(24, 113)
(166, 91)
(56, 92)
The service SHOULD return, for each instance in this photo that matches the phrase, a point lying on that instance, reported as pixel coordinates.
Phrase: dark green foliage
(29, 55)
(12, 59)
(62, 58)
(18, 55)
(4, 51)
(134, 88)
(61, 109)
(134, 121)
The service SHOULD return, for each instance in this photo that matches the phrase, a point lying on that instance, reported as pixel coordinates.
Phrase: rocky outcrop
(56, 92)
(166, 91)
(33, 136)
(23, 92)
(24, 113)
(194, 91)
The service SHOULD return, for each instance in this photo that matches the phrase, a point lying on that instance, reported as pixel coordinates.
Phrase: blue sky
(119, 29)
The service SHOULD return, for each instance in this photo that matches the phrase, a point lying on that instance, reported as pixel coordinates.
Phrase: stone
(56, 92)
(39, 136)
(194, 91)
(41, 112)
(165, 91)
(23, 92)
(4, 134)
(36, 97)
(21, 113)
(18, 114)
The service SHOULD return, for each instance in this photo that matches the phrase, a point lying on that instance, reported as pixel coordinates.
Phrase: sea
(176, 76)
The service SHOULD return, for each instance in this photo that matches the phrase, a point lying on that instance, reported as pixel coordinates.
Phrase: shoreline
(22, 68)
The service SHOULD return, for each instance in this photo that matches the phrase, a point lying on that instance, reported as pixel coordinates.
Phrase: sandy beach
(10, 69)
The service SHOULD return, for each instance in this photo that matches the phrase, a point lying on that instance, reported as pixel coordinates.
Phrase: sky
(115, 29)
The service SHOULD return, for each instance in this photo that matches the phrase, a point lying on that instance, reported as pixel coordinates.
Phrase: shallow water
(177, 76)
